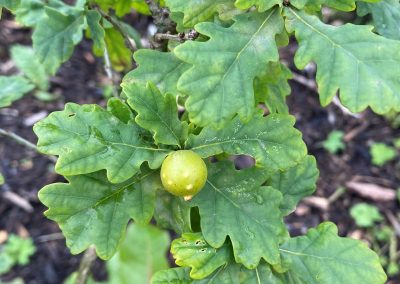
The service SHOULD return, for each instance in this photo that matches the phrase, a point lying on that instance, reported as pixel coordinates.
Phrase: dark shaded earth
(79, 80)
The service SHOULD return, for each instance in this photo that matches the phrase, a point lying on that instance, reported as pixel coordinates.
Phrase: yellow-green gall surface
(183, 173)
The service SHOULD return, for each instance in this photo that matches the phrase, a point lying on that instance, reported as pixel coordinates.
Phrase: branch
(22, 141)
(153, 6)
(181, 37)
(118, 27)
(87, 260)
(163, 23)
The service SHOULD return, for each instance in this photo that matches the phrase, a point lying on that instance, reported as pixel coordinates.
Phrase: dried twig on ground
(17, 200)
(394, 222)
(372, 191)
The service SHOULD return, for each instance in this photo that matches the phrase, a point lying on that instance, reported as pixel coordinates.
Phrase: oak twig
(86, 263)
(181, 37)
(163, 24)
(22, 141)
(153, 7)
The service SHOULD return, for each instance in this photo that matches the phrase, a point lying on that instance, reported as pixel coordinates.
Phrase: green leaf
(350, 58)
(315, 5)
(123, 7)
(178, 275)
(271, 141)
(272, 87)
(231, 273)
(396, 143)
(19, 249)
(11, 5)
(156, 113)
(46, 96)
(31, 12)
(120, 110)
(120, 55)
(172, 212)
(55, 37)
(344, 5)
(2, 179)
(161, 68)
(295, 183)
(365, 215)
(24, 58)
(323, 257)
(334, 142)
(141, 254)
(382, 153)
(97, 32)
(141, 7)
(192, 250)
(12, 88)
(196, 11)
(385, 16)
(234, 273)
(262, 5)
(220, 83)
(88, 138)
(233, 203)
(262, 274)
(91, 210)
(6, 263)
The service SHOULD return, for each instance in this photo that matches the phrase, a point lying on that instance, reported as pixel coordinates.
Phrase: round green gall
(183, 173)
